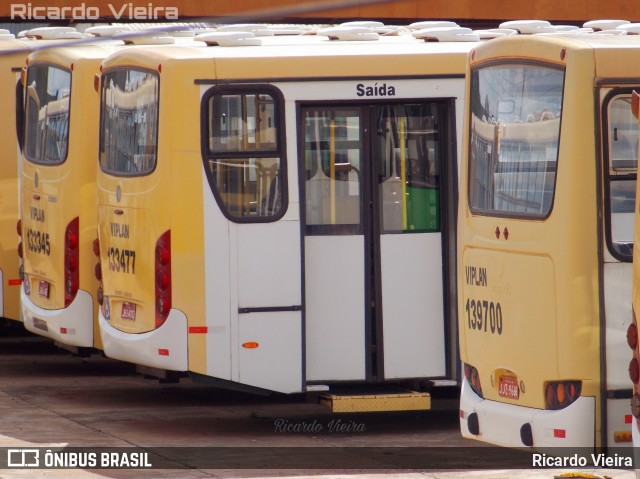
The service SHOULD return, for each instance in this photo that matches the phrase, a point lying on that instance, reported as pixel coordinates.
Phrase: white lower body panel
(162, 348)
(72, 325)
(500, 423)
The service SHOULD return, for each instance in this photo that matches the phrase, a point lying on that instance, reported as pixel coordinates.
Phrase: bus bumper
(503, 424)
(162, 348)
(72, 325)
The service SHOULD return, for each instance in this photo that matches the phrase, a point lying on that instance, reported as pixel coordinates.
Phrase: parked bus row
(281, 216)
(277, 216)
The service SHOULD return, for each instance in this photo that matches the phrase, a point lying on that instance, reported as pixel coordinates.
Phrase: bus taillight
(71, 260)
(634, 371)
(560, 394)
(163, 278)
(473, 378)
(632, 335)
(19, 230)
(635, 406)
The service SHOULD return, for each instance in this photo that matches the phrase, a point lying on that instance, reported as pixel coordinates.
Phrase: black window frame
(279, 152)
(607, 177)
(27, 111)
(493, 213)
(101, 143)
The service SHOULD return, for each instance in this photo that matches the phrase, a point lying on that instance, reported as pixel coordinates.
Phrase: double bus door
(372, 181)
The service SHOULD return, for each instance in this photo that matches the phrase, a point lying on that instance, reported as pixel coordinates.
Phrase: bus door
(253, 241)
(373, 269)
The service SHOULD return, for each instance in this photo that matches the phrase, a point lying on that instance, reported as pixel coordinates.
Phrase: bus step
(398, 400)
(442, 383)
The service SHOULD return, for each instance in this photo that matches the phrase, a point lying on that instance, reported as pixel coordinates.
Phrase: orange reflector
(15, 282)
(461, 414)
(23, 75)
(635, 103)
(163, 352)
(628, 418)
(250, 345)
(560, 433)
(96, 82)
(622, 436)
(198, 330)
(63, 330)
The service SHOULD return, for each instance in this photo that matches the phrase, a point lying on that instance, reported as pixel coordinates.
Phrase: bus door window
(408, 152)
(47, 125)
(622, 136)
(514, 143)
(332, 163)
(244, 164)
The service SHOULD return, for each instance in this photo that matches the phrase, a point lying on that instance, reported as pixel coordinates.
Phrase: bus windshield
(515, 128)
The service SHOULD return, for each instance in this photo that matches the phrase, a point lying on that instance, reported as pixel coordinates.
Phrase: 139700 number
(483, 315)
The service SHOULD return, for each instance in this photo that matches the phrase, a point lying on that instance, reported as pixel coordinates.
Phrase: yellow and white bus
(278, 215)
(13, 53)
(58, 194)
(545, 233)
(632, 331)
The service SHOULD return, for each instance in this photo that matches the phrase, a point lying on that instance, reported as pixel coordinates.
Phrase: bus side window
(242, 156)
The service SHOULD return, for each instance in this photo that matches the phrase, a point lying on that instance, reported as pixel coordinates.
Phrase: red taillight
(560, 394)
(19, 227)
(163, 255)
(163, 278)
(98, 272)
(72, 235)
(96, 247)
(71, 261)
(473, 379)
(634, 371)
(632, 336)
(20, 250)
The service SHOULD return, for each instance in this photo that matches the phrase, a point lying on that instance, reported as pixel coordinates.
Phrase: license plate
(508, 387)
(43, 288)
(128, 311)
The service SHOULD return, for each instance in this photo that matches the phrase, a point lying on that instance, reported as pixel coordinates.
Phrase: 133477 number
(122, 260)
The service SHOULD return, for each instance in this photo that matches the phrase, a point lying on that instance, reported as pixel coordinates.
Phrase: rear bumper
(162, 348)
(501, 423)
(72, 325)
